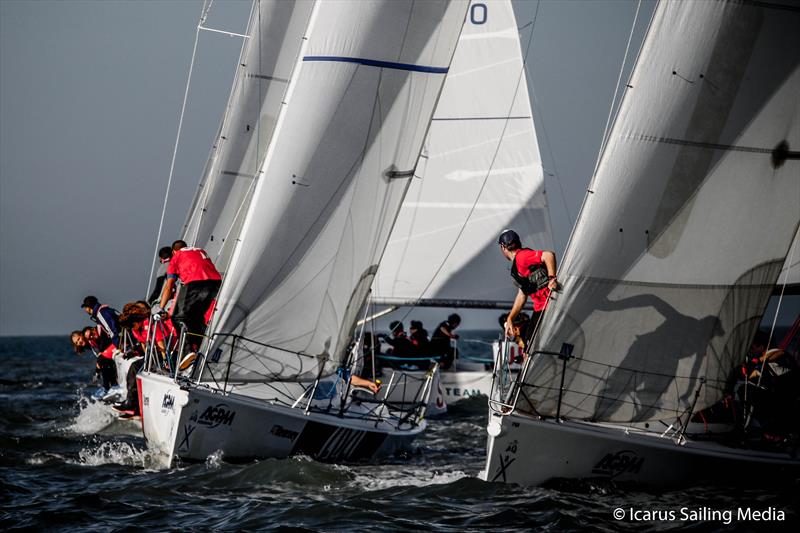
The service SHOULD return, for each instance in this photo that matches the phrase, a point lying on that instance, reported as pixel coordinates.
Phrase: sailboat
(480, 172)
(330, 107)
(684, 231)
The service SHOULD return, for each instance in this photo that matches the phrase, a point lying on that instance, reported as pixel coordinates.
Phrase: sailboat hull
(194, 423)
(529, 451)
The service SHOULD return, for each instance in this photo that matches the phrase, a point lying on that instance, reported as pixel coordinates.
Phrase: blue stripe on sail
(380, 64)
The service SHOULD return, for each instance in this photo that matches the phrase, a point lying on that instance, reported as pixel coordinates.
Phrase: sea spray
(214, 460)
(92, 417)
(116, 453)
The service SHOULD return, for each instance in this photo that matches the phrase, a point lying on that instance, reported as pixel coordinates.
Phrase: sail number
(478, 13)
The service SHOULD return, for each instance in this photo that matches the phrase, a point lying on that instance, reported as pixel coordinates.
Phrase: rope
(203, 15)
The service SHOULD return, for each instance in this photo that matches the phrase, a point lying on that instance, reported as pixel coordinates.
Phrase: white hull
(194, 423)
(529, 451)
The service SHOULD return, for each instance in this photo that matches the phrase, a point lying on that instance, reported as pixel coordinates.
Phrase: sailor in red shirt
(524, 261)
(201, 282)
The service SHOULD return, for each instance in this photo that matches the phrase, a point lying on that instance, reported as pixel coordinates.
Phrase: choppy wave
(411, 477)
(114, 453)
(68, 463)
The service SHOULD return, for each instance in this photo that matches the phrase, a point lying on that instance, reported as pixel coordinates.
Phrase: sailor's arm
(169, 285)
(549, 260)
(519, 301)
(447, 333)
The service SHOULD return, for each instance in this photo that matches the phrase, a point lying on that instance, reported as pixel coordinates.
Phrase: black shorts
(193, 301)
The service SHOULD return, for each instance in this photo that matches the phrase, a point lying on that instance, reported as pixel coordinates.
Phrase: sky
(90, 97)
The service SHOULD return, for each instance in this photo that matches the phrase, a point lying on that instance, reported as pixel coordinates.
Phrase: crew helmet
(508, 238)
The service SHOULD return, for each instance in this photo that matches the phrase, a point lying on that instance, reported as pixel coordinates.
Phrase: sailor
(400, 345)
(443, 340)
(534, 272)
(201, 282)
(95, 339)
(104, 316)
(418, 336)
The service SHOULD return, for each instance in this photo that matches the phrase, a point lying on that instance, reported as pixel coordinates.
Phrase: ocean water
(67, 463)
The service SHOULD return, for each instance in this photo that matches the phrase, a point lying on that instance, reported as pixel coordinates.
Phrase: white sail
(480, 172)
(688, 221)
(344, 149)
(274, 37)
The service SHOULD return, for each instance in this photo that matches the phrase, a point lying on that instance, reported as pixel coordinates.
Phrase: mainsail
(274, 37)
(345, 146)
(688, 220)
(480, 172)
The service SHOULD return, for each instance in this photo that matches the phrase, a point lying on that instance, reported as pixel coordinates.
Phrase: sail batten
(688, 222)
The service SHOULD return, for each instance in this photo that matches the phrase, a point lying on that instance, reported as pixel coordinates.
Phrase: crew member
(104, 316)
(95, 339)
(526, 264)
(201, 282)
(418, 336)
(400, 345)
(443, 339)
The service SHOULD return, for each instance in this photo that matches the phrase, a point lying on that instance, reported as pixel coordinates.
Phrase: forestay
(344, 149)
(688, 221)
(480, 172)
(790, 273)
(275, 34)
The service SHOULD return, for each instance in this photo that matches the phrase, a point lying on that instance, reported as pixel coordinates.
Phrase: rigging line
(616, 86)
(203, 16)
(208, 182)
(520, 77)
(602, 145)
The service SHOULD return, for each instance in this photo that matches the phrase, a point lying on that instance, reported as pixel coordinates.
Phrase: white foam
(113, 453)
(92, 417)
(43, 458)
(214, 460)
(418, 477)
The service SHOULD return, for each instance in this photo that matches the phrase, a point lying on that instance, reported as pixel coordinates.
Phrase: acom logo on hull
(615, 464)
(218, 415)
